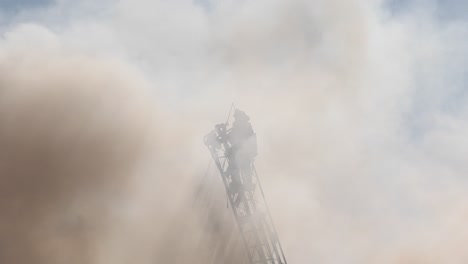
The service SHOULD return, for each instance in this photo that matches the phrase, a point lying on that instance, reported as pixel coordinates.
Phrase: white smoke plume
(359, 108)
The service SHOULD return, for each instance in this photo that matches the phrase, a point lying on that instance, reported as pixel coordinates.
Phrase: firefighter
(243, 149)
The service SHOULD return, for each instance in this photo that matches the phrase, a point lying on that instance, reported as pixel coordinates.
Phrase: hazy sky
(449, 8)
(22, 4)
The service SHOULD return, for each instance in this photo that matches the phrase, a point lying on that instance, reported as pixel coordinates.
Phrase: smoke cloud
(73, 129)
(359, 108)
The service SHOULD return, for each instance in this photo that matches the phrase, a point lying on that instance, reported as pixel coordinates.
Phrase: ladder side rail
(261, 233)
(273, 240)
(271, 245)
(215, 157)
(268, 242)
(256, 236)
(269, 215)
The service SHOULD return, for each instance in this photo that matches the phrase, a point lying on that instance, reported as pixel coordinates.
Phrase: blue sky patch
(15, 5)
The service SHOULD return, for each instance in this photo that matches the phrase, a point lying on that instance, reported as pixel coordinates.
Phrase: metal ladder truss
(248, 204)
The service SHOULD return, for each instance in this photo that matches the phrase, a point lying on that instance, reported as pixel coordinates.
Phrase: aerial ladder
(233, 148)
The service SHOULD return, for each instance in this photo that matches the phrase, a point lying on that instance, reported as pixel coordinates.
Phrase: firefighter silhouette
(241, 153)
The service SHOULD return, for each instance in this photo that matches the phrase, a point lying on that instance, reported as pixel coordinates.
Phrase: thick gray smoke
(73, 131)
(359, 107)
(88, 164)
